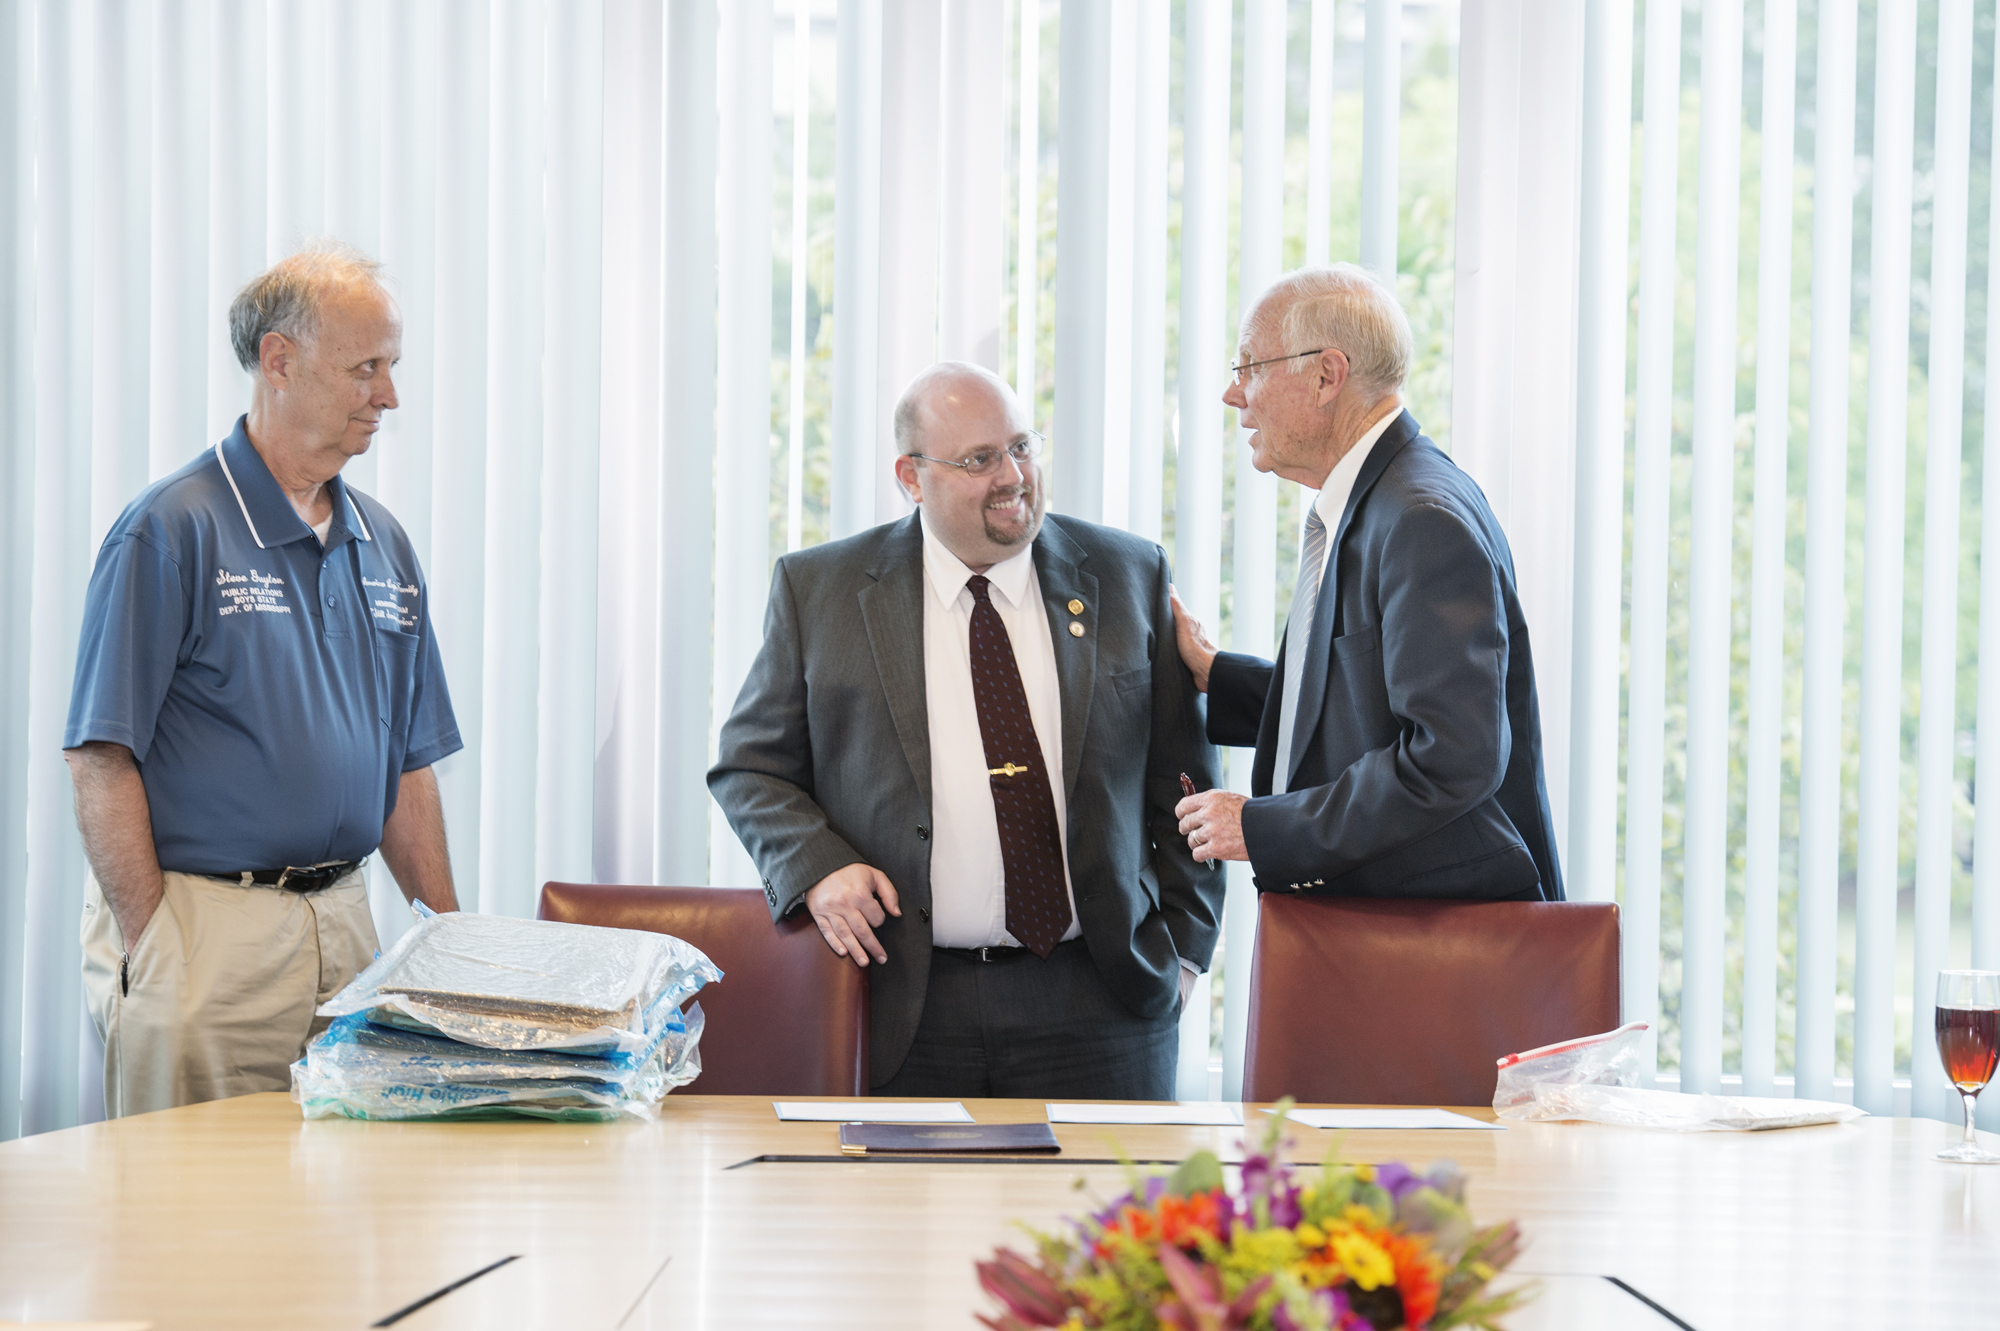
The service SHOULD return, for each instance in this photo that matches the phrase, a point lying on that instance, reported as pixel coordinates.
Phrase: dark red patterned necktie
(1030, 845)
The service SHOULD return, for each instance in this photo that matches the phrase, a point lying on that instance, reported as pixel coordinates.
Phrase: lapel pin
(1075, 630)
(1076, 607)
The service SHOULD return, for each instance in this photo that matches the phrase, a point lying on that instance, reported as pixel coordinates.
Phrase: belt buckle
(310, 877)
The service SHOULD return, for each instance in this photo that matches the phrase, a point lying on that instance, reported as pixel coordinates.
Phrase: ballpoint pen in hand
(1187, 788)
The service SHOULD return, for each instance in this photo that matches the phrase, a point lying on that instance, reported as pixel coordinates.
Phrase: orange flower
(1419, 1275)
(1132, 1222)
(1186, 1220)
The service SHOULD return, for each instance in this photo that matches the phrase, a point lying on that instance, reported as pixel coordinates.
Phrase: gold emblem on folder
(1006, 769)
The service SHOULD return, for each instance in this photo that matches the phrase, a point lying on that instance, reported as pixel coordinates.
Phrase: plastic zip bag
(1596, 1079)
(505, 983)
(1610, 1059)
(356, 1070)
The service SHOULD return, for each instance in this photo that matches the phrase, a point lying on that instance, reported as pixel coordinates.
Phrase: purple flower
(1398, 1181)
(1285, 1209)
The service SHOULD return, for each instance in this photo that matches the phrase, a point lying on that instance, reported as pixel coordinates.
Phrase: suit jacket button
(923, 833)
(924, 914)
(770, 893)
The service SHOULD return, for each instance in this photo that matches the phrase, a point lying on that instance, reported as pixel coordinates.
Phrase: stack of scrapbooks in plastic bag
(482, 1016)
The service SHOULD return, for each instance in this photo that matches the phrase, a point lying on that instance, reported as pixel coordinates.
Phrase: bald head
(966, 456)
(947, 389)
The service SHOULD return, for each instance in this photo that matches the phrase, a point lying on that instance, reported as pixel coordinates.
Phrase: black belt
(292, 878)
(996, 953)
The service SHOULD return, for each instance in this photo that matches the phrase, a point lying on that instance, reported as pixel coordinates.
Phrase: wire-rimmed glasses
(982, 463)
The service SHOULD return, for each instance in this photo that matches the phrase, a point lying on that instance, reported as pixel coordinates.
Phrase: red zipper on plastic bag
(1566, 1045)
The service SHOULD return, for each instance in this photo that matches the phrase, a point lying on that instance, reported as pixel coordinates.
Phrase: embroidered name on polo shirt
(390, 608)
(243, 593)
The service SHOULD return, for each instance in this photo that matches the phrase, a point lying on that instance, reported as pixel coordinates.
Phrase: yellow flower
(1363, 1260)
(1364, 1173)
(1310, 1235)
(1257, 1251)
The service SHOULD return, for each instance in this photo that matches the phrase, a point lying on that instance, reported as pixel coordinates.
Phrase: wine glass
(1968, 1036)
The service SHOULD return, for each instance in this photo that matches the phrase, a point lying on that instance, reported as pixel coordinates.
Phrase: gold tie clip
(1007, 769)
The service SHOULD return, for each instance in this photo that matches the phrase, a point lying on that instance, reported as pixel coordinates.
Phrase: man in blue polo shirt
(258, 703)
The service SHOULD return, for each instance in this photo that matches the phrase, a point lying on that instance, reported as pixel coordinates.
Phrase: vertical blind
(1804, 692)
(664, 266)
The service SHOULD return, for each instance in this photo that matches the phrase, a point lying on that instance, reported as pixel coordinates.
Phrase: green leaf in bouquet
(1200, 1172)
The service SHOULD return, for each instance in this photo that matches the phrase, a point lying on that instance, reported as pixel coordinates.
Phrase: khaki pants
(217, 996)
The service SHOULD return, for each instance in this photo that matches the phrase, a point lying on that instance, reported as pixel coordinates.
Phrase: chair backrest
(787, 1018)
(1363, 1001)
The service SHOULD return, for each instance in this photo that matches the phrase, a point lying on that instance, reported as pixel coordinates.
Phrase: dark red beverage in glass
(1969, 1043)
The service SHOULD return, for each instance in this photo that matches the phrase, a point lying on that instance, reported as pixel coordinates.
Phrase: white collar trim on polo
(360, 527)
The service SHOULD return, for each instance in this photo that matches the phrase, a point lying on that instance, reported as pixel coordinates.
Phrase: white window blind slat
(1878, 835)
(742, 431)
(684, 500)
(572, 277)
(1705, 863)
(1937, 726)
(800, 81)
(1083, 140)
(1764, 710)
(1590, 863)
(857, 262)
(1028, 204)
(1651, 487)
(1986, 723)
(1826, 549)
(510, 528)
(18, 95)
(1319, 132)
(1151, 42)
(65, 127)
(1381, 125)
(1204, 340)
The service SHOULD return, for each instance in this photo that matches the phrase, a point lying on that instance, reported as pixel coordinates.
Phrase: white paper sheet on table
(1202, 1114)
(870, 1111)
(1386, 1118)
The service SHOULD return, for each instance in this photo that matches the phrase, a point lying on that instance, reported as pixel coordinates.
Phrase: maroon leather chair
(787, 1018)
(1362, 1001)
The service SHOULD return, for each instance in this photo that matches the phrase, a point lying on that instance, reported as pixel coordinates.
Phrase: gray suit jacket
(826, 759)
(1417, 756)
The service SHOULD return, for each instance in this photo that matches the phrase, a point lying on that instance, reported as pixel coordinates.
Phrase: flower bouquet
(1355, 1248)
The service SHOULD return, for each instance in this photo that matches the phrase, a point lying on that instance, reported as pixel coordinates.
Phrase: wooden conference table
(239, 1214)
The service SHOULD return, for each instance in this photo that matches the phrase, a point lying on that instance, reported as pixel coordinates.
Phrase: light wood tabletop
(239, 1214)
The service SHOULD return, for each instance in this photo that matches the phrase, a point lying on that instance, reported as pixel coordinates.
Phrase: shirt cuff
(1190, 967)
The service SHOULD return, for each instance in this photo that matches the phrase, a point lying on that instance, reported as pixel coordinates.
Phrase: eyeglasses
(986, 459)
(1241, 373)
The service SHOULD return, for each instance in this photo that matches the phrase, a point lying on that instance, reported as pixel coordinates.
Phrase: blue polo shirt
(274, 692)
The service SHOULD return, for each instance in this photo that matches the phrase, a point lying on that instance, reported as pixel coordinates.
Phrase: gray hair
(287, 297)
(1345, 307)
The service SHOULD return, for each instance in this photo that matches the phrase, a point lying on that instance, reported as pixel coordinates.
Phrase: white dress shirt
(968, 878)
(1330, 504)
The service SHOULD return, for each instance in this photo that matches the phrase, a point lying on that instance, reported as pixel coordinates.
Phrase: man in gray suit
(960, 749)
(1399, 747)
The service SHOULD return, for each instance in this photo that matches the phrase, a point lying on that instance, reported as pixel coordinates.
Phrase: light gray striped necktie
(1298, 632)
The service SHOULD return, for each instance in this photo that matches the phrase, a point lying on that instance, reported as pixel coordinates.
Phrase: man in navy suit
(1397, 734)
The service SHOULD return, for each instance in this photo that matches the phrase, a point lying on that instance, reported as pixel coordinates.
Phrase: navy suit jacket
(1416, 759)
